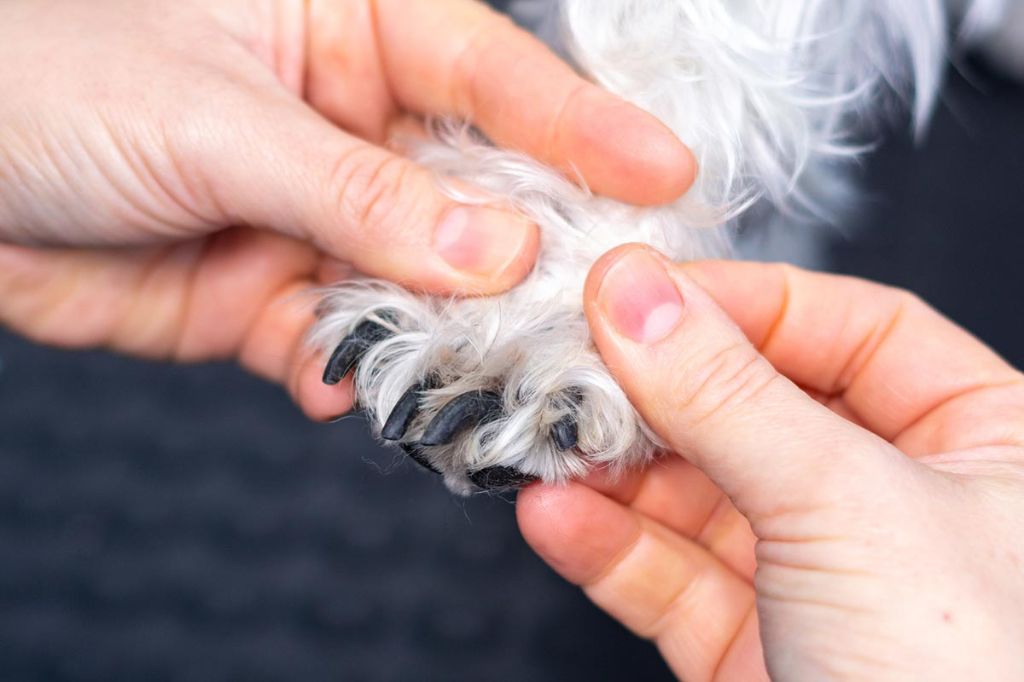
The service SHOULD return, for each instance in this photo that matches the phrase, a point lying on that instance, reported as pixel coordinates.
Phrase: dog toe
(462, 412)
(352, 348)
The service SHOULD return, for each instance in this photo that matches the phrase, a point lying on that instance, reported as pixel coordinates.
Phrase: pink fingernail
(480, 240)
(639, 299)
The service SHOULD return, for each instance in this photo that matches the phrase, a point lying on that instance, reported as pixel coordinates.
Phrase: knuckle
(675, 603)
(905, 299)
(372, 191)
(28, 296)
(786, 273)
(477, 47)
(900, 302)
(725, 381)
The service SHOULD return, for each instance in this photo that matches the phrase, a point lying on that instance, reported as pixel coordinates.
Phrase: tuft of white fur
(996, 27)
(766, 93)
(762, 90)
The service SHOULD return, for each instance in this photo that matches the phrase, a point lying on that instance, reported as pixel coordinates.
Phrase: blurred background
(187, 523)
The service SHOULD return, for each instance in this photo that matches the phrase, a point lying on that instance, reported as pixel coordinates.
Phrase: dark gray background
(165, 522)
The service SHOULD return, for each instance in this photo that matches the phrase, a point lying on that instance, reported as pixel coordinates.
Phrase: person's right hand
(136, 137)
(874, 533)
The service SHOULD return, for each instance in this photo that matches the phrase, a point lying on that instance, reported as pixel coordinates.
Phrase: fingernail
(480, 240)
(639, 299)
(651, 166)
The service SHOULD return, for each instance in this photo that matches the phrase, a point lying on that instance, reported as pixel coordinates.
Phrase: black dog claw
(416, 455)
(405, 410)
(500, 478)
(464, 411)
(565, 432)
(352, 348)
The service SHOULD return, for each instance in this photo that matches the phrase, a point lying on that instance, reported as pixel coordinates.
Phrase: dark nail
(405, 410)
(565, 432)
(352, 348)
(463, 412)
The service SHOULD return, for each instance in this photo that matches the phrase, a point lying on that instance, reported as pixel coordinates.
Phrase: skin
(175, 176)
(849, 494)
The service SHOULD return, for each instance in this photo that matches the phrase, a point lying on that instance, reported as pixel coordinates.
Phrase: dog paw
(489, 393)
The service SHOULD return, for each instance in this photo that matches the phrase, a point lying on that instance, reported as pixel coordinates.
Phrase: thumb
(280, 165)
(701, 385)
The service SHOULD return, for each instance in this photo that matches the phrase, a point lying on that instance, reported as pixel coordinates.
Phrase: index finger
(658, 584)
(459, 57)
(905, 372)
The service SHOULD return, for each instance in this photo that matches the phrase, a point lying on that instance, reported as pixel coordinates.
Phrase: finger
(130, 300)
(459, 57)
(656, 583)
(276, 349)
(244, 294)
(902, 369)
(282, 166)
(276, 339)
(680, 497)
(332, 270)
(192, 301)
(318, 401)
(703, 388)
(241, 275)
(345, 77)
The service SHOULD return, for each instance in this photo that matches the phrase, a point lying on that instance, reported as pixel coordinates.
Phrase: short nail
(639, 299)
(480, 240)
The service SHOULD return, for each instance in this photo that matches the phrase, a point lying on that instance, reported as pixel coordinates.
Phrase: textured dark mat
(947, 221)
(186, 523)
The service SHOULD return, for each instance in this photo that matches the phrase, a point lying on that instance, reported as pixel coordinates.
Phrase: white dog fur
(771, 95)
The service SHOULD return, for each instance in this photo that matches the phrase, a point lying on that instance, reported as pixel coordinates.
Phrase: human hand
(137, 136)
(872, 531)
